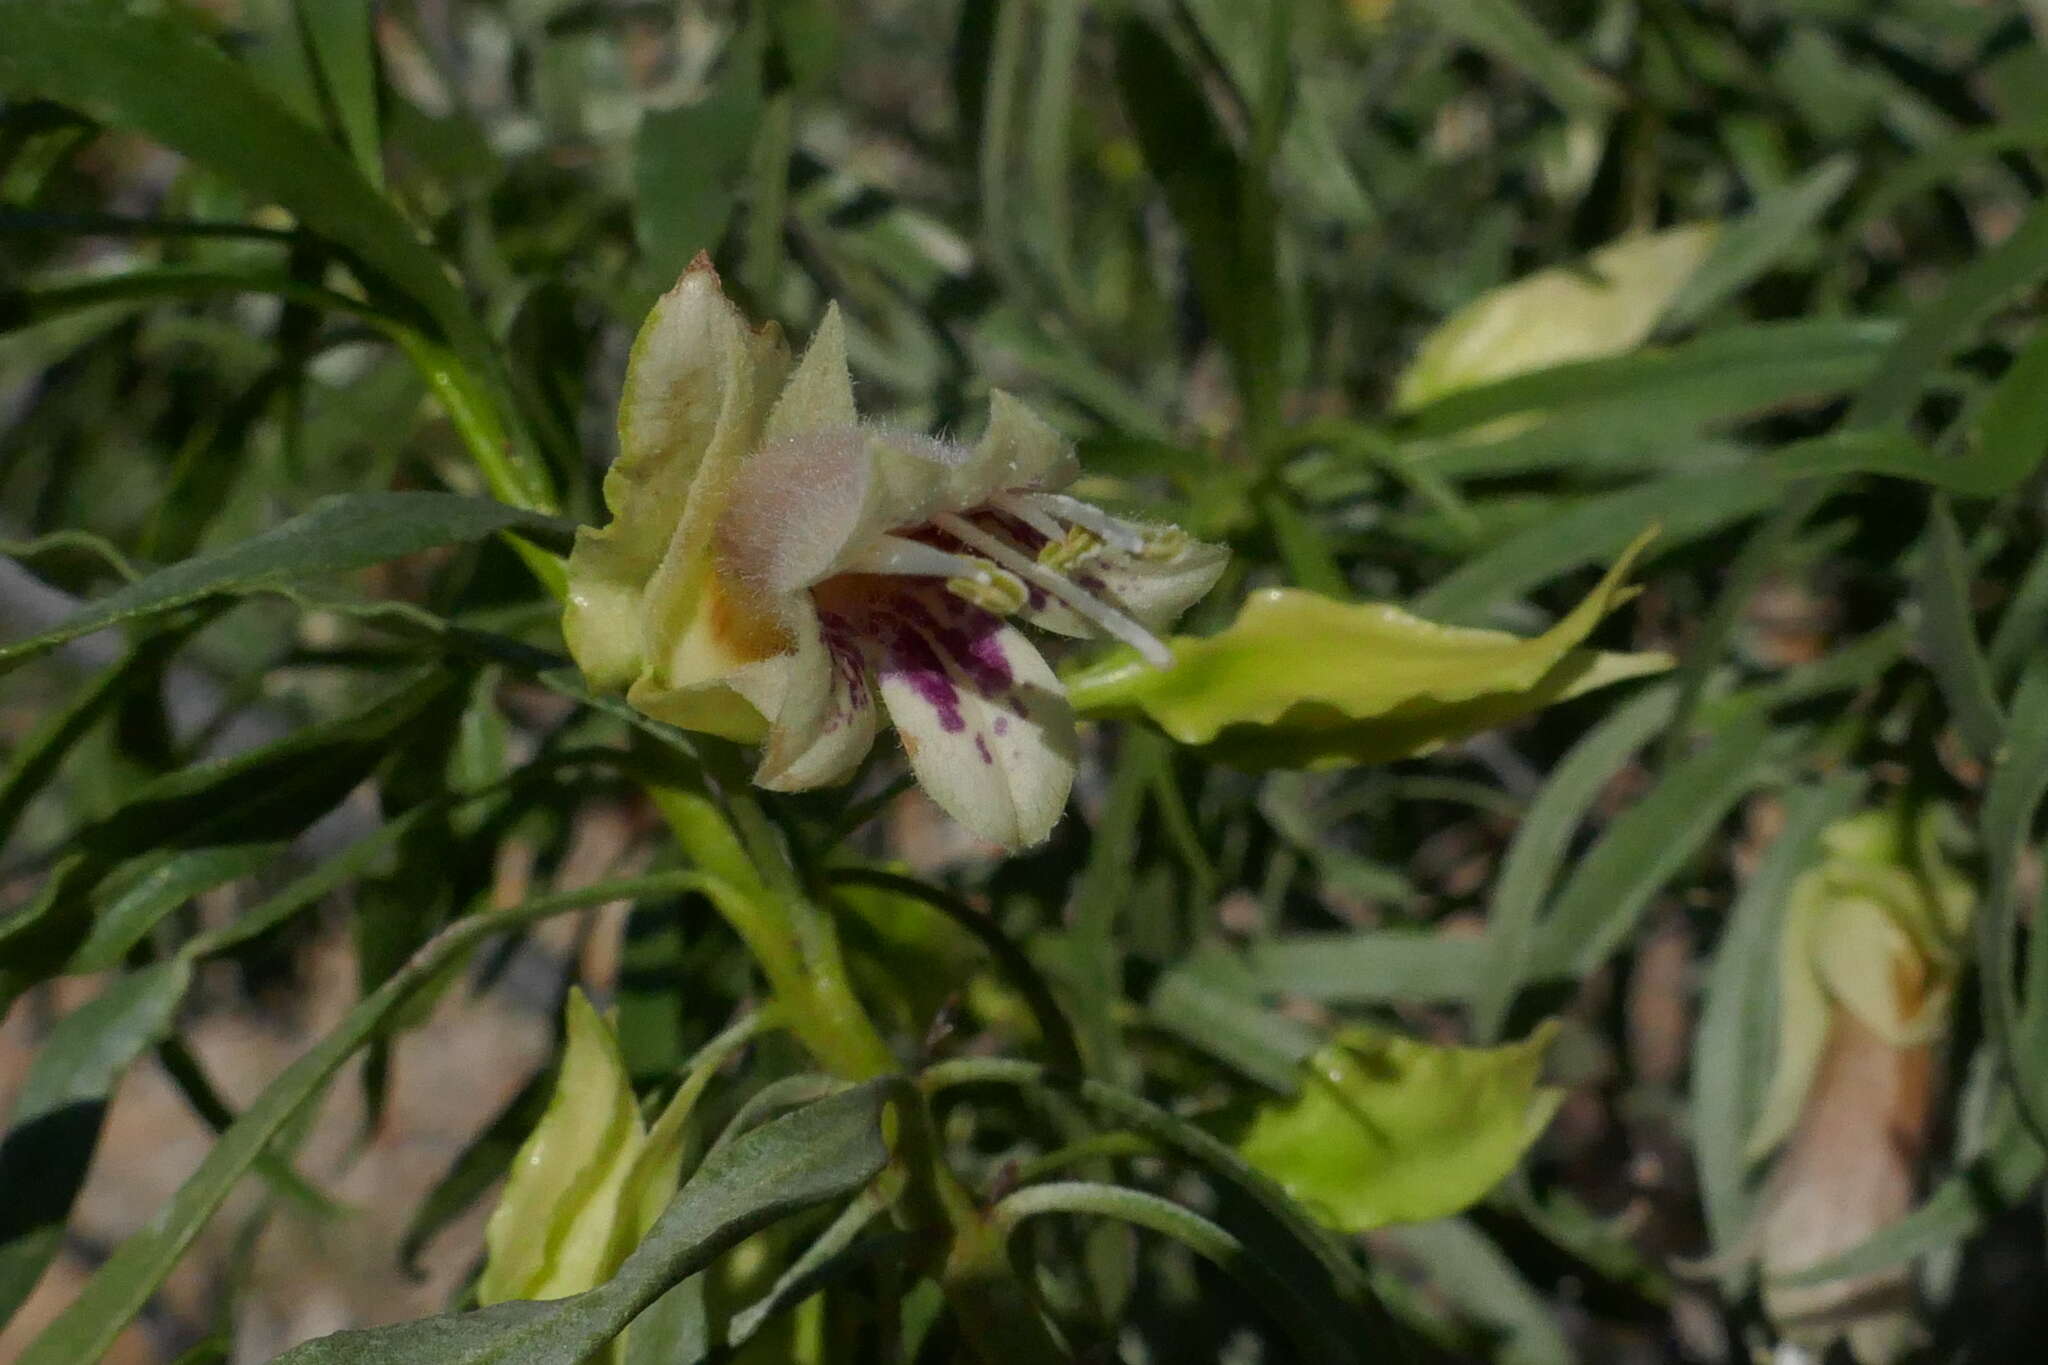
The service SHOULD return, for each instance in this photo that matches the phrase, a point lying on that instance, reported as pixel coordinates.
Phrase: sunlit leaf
(549, 1234)
(1389, 1130)
(1301, 680)
(591, 1179)
(1604, 307)
(822, 1151)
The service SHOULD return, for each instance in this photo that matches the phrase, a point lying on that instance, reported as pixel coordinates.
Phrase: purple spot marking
(911, 658)
(981, 747)
(969, 637)
(1002, 726)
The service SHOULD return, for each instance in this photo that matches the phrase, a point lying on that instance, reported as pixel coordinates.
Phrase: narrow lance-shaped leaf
(351, 531)
(55, 1124)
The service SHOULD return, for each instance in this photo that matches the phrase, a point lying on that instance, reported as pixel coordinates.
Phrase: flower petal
(701, 627)
(984, 722)
(1151, 591)
(819, 395)
(811, 501)
(692, 358)
(695, 391)
(717, 708)
(826, 720)
(1018, 450)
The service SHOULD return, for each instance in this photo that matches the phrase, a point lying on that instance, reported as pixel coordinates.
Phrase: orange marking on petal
(1909, 983)
(745, 634)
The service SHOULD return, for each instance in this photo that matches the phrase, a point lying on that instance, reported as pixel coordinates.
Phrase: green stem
(797, 952)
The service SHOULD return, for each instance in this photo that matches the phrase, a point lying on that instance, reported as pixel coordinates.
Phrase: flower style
(774, 566)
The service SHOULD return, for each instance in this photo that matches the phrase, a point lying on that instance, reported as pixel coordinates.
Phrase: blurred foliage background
(1439, 304)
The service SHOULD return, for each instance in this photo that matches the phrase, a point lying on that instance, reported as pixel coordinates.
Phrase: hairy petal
(819, 395)
(814, 498)
(1018, 450)
(701, 629)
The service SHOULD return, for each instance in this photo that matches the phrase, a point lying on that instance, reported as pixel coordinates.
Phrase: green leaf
(1370, 966)
(1758, 240)
(1053, 1025)
(270, 792)
(1715, 380)
(55, 1122)
(1645, 847)
(689, 162)
(1607, 306)
(824, 1151)
(1479, 1278)
(1974, 292)
(2012, 802)
(135, 69)
(1501, 29)
(1254, 1041)
(1948, 635)
(1272, 1225)
(2012, 428)
(132, 900)
(1304, 681)
(338, 32)
(337, 534)
(1388, 1130)
(1223, 206)
(1687, 507)
(1315, 1336)
(37, 757)
(1513, 917)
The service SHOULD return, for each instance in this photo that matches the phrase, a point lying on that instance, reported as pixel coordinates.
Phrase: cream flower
(775, 567)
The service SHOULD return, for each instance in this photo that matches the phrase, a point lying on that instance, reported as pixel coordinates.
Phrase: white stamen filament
(1114, 532)
(1094, 609)
(971, 580)
(915, 559)
(1021, 506)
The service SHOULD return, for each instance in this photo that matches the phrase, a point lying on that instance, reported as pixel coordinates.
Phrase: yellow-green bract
(1302, 680)
(1390, 1130)
(589, 1181)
